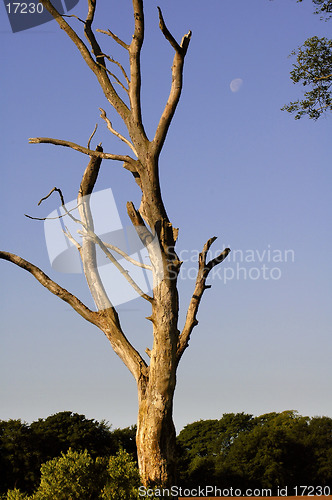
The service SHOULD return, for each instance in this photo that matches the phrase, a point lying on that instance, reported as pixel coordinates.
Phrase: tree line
(69, 456)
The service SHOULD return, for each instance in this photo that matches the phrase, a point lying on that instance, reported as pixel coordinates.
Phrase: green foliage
(243, 451)
(65, 430)
(324, 7)
(17, 461)
(125, 439)
(123, 478)
(15, 495)
(24, 448)
(269, 454)
(74, 475)
(239, 450)
(201, 442)
(314, 70)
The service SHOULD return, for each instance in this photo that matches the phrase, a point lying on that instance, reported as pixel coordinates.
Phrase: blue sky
(233, 166)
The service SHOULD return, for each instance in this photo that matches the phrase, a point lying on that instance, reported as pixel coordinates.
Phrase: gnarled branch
(52, 286)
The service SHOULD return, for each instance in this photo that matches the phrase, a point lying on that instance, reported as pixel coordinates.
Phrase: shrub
(123, 478)
(74, 475)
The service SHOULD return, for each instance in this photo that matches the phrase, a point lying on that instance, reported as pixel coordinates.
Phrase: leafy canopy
(323, 7)
(313, 69)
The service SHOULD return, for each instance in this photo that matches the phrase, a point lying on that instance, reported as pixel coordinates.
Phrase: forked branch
(176, 86)
(204, 269)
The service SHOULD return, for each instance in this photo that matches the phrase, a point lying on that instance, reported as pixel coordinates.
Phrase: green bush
(74, 475)
(15, 495)
(123, 478)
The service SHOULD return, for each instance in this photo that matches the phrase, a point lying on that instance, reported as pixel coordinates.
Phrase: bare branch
(166, 33)
(135, 67)
(70, 238)
(204, 269)
(117, 134)
(114, 61)
(110, 59)
(97, 67)
(67, 212)
(53, 287)
(100, 56)
(118, 81)
(81, 149)
(88, 250)
(127, 257)
(91, 136)
(182, 48)
(51, 218)
(115, 37)
(49, 194)
(144, 234)
(76, 17)
(93, 237)
(323, 77)
(90, 35)
(176, 86)
(109, 319)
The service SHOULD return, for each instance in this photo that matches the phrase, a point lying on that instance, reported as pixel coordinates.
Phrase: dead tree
(155, 380)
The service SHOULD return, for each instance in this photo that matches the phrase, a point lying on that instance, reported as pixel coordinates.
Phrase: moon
(236, 84)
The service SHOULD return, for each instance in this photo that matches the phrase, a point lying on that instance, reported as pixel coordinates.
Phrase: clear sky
(233, 166)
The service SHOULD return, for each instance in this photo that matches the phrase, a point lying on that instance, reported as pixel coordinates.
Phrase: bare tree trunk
(156, 437)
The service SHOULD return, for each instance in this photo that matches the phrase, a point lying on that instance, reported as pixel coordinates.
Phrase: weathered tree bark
(155, 381)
